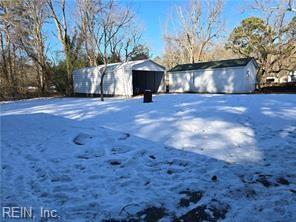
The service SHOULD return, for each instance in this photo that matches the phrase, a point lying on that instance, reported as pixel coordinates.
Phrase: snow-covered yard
(183, 157)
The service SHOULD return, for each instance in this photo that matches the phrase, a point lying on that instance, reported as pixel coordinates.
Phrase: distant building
(224, 76)
(284, 77)
(292, 76)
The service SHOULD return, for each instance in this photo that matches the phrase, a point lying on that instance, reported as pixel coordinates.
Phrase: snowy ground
(183, 157)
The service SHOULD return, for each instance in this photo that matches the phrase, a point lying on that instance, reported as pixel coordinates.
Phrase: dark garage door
(143, 80)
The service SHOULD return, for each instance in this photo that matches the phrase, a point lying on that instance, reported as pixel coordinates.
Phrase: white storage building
(224, 76)
(121, 79)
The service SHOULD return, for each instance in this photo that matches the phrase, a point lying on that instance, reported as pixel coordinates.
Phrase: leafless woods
(89, 33)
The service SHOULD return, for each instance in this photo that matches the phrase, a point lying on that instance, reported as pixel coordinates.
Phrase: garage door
(146, 80)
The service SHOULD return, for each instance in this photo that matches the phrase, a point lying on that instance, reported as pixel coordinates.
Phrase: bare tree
(193, 29)
(30, 38)
(127, 44)
(10, 16)
(99, 34)
(110, 33)
(219, 52)
(89, 12)
(71, 43)
(131, 41)
(102, 24)
(281, 21)
(112, 22)
(291, 6)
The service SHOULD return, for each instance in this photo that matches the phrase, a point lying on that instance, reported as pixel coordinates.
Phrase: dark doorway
(143, 80)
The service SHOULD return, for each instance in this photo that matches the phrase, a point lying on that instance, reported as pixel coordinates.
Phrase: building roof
(212, 64)
(113, 66)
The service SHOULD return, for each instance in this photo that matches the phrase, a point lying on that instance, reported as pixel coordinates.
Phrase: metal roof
(212, 64)
(113, 66)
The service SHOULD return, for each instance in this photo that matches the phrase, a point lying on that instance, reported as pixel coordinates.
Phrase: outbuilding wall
(251, 77)
(222, 80)
(87, 81)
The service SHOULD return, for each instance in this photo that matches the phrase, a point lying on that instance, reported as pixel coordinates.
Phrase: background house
(282, 77)
(122, 79)
(292, 76)
(225, 76)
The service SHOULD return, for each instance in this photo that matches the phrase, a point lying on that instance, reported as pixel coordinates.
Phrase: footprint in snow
(61, 178)
(120, 149)
(124, 136)
(65, 188)
(88, 154)
(31, 158)
(114, 162)
(83, 156)
(79, 166)
(82, 139)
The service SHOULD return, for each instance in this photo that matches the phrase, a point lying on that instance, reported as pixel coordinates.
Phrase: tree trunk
(200, 51)
(39, 79)
(13, 74)
(69, 67)
(69, 87)
(259, 77)
(102, 83)
(4, 66)
(101, 87)
(192, 57)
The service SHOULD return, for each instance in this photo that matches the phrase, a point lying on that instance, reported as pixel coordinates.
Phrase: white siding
(161, 87)
(86, 80)
(180, 81)
(223, 80)
(147, 66)
(251, 74)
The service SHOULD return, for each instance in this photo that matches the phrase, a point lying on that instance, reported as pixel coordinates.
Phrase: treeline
(90, 33)
(197, 33)
(94, 32)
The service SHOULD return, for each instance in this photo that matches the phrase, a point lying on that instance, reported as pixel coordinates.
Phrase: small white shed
(224, 76)
(122, 79)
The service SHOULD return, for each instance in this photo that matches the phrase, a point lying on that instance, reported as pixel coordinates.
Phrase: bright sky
(153, 14)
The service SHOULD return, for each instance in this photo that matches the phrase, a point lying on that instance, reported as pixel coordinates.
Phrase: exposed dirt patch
(196, 214)
(267, 180)
(152, 214)
(212, 212)
(191, 197)
(282, 181)
(214, 178)
(170, 171)
(263, 179)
